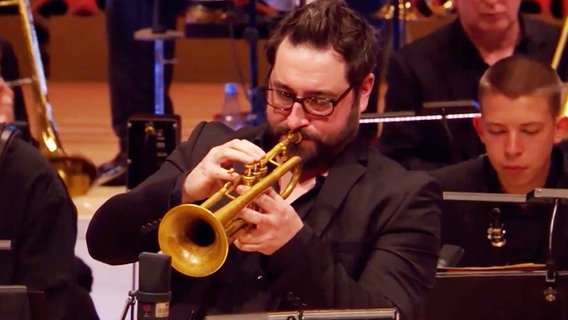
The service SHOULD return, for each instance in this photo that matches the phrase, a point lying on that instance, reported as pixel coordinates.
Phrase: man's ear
(478, 128)
(561, 127)
(366, 88)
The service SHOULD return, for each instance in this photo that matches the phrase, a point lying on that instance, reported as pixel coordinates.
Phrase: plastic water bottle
(231, 108)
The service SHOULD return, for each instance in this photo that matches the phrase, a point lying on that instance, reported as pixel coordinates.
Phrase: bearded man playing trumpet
(357, 231)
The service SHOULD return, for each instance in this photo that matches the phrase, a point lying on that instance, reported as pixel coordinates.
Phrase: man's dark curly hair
(330, 23)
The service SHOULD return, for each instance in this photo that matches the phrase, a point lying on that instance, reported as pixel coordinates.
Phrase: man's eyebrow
(283, 87)
(494, 123)
(532, 123)
(497, 124)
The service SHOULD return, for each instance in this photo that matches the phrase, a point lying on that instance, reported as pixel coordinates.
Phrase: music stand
(495, 295)
(539, 195)
(352, 314)
(14, 303)
(19, 303)
(437, 110)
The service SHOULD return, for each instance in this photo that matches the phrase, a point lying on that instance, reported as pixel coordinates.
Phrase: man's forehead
(498, 104)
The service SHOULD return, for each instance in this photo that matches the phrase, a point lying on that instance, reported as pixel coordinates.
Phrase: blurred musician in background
(521, 121)
(358, 231)
(131, 68)
(9, 71)
(447, 65)
(39, 221)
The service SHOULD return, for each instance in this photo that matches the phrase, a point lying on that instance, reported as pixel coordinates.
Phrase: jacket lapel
(345, 172)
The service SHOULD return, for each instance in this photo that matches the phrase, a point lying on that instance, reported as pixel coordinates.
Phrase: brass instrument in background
(78, 173)
(197, 239)
(558, 52)
(408, 9)
(435, 8)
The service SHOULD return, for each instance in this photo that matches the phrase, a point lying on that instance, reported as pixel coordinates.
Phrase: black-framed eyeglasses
(315, 106)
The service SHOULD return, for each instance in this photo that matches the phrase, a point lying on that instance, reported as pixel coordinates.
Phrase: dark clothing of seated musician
(9, 71)
(357, 231)
(446, 65)
(39, 221)
(526, 227)
(521, 122)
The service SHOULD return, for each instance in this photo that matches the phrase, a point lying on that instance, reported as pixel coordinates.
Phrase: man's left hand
(274, 224)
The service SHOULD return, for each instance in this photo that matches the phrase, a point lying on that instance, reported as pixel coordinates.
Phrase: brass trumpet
(198, 239)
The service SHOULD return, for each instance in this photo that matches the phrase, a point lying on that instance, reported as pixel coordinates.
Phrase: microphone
(154, 293)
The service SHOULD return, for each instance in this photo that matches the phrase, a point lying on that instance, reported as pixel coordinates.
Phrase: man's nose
(297, 117)
(513, 145)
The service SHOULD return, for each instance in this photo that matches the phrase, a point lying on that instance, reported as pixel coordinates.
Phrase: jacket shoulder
(397, 177)
(460, 176)
(429, 45)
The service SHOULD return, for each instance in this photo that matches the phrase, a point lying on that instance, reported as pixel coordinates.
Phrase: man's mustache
(280, 132)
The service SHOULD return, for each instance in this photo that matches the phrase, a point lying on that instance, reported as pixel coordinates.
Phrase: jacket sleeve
(396, 269)
(127, 224)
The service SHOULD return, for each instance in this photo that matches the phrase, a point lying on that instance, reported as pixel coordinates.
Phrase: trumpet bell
(195, 239)
(77, 173)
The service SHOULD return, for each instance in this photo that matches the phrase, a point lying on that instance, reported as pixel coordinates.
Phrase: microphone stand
(555, 196)
(158, 33)
(251, 35)
(550, 294)
(130, 302)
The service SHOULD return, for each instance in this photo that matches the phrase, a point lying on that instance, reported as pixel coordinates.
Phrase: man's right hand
(214, 170)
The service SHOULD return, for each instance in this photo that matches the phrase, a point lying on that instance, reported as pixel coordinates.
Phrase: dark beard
(325, 151)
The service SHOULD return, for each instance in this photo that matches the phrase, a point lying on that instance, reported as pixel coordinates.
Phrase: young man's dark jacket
(446, 66)
(370, 237)
(465, 223)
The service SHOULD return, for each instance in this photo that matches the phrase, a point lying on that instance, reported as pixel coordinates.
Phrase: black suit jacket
(446, 66)
(465, 223)
(370, 237)
(39, 218)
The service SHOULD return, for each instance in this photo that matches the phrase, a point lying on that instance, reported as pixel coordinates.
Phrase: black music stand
(351, 314)
(14, 303)
(500, 293)
(494, 295)
(431, 111)
(19, 303)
